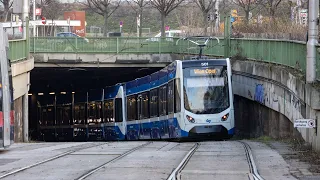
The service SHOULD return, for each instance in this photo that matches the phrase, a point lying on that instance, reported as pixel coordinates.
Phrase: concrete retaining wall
(21, 82)
(282, 90)
(18, 120)
(254, 120)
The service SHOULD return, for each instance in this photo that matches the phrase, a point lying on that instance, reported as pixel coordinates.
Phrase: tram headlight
(190, 119)
(225, 117)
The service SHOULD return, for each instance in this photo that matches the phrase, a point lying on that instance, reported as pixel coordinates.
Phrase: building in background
(77, 15)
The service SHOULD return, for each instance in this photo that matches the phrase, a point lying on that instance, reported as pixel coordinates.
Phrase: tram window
(50, 116)
(118, 110)
(131, 108)
(154, 103)
(80, 113)
(177, 95)
(108, 115)
(163, 100)
(170, 98)
(94, 112)
(76, 119)
(98, 117)
(139, 97)
(91, 112)
(145, 105)
(44, 117)
(63, 115)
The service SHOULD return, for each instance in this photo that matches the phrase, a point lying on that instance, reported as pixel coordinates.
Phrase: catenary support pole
(312, 40)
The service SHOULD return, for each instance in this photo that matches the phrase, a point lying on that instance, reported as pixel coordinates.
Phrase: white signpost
(305, 123)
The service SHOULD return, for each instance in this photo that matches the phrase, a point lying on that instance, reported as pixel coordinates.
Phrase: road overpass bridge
(269, 74)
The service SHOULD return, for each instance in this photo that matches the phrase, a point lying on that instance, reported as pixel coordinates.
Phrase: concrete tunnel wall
(21, 82)
(279, 89)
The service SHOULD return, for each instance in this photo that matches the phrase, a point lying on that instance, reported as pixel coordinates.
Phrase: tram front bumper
(209, 129)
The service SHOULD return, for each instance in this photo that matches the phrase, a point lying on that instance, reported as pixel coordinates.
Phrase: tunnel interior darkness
(46, 80)
(78, 79)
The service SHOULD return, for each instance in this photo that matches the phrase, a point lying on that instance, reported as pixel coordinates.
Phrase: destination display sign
(304, 123)
(204, 71)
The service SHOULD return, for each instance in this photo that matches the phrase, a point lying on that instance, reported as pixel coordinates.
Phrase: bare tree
(188, 19)
(138, 8)
(6, 6)
(247, 6)
(51, 9)
(104, 8)
(165, 7)
(271, 6)
(205, 6)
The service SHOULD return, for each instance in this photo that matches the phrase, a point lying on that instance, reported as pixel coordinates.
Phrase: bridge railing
(284, 52)
(18, 50)
(100, 45)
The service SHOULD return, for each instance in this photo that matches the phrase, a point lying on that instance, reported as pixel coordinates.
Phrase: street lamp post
(34, 17)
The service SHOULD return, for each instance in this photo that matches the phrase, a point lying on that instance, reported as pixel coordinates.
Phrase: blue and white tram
(114, 113)
(184, 99)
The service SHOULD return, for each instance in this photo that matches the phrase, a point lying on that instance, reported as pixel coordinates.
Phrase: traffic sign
(43, 20)
(305, 123)
(233, 19)
(234, 13)
(38, 12)
(121, 23)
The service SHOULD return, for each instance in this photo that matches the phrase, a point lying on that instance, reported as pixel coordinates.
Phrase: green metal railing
(18, 50)
(288, 53)
(284, 52)
(101, 45)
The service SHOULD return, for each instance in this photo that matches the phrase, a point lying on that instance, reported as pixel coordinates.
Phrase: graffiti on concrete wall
(295, 101)
(259, 94)
(249, 94)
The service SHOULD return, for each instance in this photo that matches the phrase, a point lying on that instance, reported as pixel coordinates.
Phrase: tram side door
(118, 113)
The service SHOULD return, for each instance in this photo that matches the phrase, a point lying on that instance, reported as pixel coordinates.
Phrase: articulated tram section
(184, 99)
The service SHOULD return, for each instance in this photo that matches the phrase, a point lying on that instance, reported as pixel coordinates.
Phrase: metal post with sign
(305, 123)
(121, 23)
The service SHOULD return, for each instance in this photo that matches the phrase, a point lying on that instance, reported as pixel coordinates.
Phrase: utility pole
(25, 13)
(34, 17)
(312, 40)
(217, 23)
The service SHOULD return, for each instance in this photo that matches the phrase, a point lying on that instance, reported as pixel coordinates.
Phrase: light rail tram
(187, 98)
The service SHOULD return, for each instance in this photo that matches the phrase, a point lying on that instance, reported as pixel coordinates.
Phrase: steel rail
(254, 174)
(45, 161)
(90, 172)
(176, 173)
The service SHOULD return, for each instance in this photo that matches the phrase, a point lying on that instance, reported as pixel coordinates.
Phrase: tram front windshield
(206, 89)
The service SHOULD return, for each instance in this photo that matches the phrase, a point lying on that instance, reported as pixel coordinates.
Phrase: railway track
(15, 172)
(90, 172)
(176, 173)
(252, 175)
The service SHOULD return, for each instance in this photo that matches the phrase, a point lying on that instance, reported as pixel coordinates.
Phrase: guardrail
(284, 52)
(18, 50)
